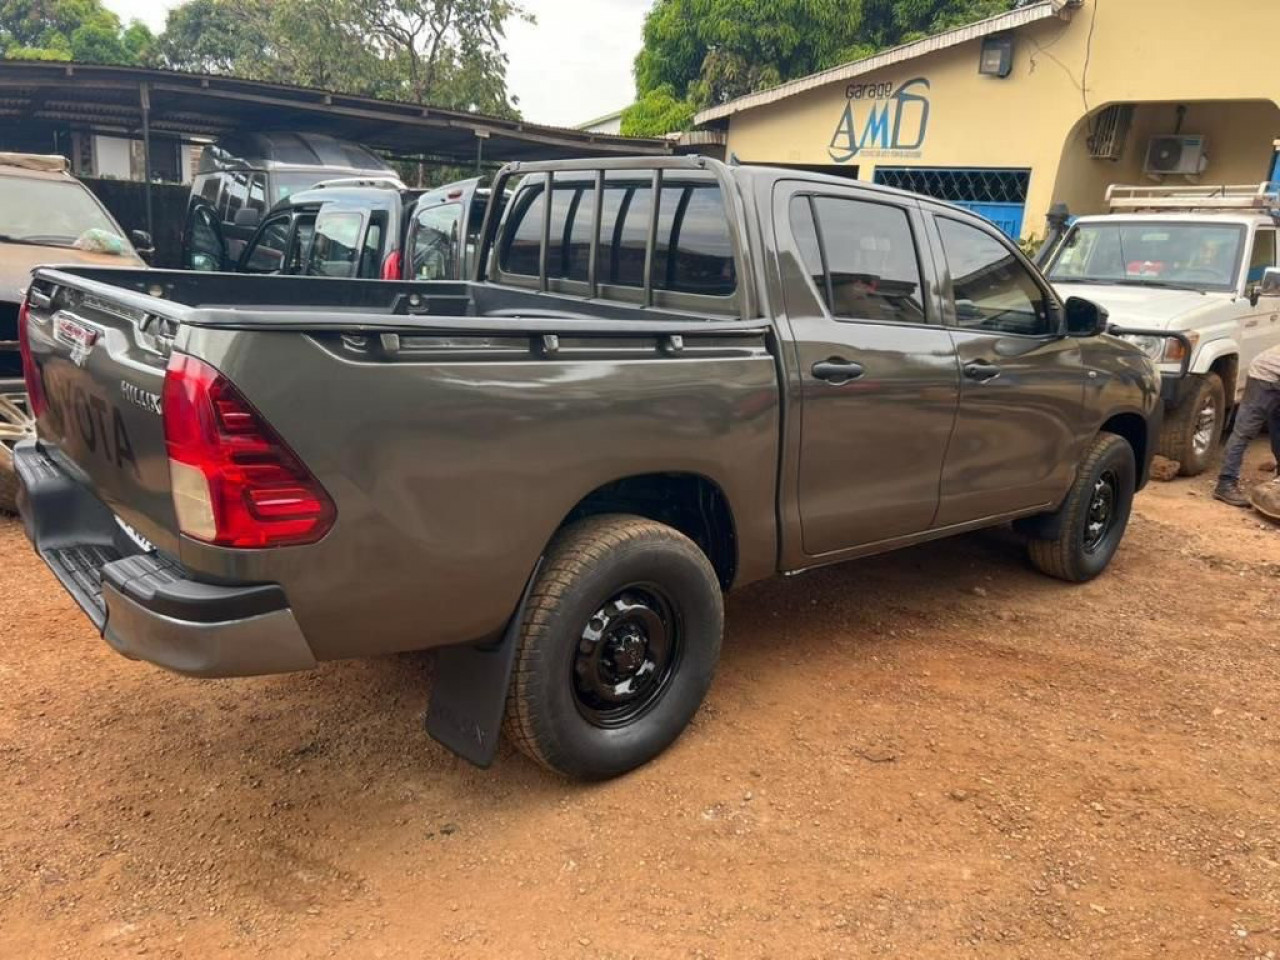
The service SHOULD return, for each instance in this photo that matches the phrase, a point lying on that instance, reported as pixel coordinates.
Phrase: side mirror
(247, 217)
(143, 243)
(204, 263)
(1269, 286)
(1085, 318)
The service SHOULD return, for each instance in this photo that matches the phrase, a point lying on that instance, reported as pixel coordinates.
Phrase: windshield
(287, 184)
(1192, 256)
(54, 213)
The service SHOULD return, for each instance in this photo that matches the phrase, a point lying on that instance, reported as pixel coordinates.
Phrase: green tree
(81, 30)
(658, 112)
(444, 52)
(704, 52)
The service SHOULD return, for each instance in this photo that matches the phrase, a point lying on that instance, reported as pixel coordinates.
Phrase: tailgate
(101, 360)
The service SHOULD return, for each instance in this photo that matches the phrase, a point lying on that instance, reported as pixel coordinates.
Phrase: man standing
(1261, 406)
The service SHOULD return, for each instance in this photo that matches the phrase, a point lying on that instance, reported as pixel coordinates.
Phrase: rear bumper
(143, 602)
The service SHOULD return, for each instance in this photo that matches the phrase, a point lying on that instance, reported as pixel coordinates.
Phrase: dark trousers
(1261, 407)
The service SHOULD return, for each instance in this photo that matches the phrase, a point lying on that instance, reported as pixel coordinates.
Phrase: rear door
(877, 370)
(1022, 382)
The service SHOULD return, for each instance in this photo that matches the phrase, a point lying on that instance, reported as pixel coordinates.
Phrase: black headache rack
(657, 168)
(1188, 348)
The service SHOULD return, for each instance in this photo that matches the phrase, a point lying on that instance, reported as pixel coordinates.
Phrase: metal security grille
(1000, 195)
(959, 185)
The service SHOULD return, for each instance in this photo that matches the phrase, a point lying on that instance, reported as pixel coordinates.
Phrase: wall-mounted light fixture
(997, 56)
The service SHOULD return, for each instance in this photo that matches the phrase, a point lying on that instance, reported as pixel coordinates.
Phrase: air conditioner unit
(1176, 154)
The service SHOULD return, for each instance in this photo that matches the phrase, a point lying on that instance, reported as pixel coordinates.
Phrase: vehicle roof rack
(1261, 197)
(386, 183)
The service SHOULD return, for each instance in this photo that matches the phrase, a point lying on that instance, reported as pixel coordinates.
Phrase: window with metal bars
(959, 184)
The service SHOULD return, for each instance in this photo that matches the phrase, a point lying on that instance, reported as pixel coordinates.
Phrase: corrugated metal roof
(1032, 13)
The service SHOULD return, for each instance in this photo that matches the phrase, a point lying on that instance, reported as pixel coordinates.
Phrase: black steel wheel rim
(1100, 520)
(626, 656)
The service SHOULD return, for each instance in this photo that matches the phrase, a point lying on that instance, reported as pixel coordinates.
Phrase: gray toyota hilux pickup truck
(668, 377)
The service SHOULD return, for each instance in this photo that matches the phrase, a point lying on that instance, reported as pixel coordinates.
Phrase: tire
(1178, 436)
(1081, 552)
(606, 580)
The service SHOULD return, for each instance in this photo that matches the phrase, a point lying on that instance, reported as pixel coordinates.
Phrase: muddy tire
(1192, 431)
(618, 645)
(1094, 516)
(15, 425)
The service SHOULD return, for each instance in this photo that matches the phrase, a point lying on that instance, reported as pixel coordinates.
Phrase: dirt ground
(936, 753)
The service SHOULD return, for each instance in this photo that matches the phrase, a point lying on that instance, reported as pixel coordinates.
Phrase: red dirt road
(932, 754)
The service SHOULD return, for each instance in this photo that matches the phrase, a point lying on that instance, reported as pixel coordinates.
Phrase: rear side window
(862, 257)
(237, 195)
(435, 243)
(335, 244)
(257, 194)
(693, 252)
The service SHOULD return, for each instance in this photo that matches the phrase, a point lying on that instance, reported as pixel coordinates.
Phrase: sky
(572, 66)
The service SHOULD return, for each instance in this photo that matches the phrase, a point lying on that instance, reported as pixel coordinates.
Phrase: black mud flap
(470, 691)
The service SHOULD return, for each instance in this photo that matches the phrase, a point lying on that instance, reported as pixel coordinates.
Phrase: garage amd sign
(881, 121)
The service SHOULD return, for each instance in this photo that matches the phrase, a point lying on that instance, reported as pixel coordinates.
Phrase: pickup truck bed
(554, 471)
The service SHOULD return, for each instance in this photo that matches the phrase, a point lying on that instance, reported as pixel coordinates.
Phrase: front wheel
(1192, 430)
(1094, 516)
(620, 639)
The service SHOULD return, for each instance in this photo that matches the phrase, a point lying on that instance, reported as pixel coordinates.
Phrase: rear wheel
(1192, 429)
(16, 424)
(620, 639)
(1094, 516)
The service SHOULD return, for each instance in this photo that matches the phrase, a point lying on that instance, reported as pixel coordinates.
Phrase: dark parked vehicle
(371, 230)
(241, 177)
(46, 216)
(670, 378)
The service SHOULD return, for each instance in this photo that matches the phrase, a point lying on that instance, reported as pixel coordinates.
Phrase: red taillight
(235, 483)
(30, 372)
(391, 266)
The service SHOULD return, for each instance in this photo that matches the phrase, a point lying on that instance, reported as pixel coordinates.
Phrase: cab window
(335, 246)
(993, 291)
(435, 242)
(1264, 255)
(693, 251)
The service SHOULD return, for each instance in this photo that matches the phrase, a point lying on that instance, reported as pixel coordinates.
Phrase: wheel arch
(689, 502)
(1134, 429)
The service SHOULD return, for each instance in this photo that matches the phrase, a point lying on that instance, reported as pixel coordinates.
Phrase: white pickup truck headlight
(1153, 347)
(1163, 349)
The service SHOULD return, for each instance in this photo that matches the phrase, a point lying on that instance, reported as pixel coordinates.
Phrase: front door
(1017, 432)
(1261, 328)
(877, 374)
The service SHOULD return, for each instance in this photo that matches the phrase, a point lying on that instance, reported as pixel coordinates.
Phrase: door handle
(838, 371)
(1251, 324)
(981, 370)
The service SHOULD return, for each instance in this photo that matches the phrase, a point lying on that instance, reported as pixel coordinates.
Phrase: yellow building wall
(1141, 51)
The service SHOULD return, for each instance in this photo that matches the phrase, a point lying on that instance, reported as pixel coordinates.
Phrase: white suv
(1195, 267)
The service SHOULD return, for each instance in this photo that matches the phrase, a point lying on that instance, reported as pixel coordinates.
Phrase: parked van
(241, 177)
(372, 229)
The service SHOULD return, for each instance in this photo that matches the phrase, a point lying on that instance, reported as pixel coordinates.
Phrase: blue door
(999, 194)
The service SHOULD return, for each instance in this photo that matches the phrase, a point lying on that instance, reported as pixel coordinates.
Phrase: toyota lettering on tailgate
(97, 423)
